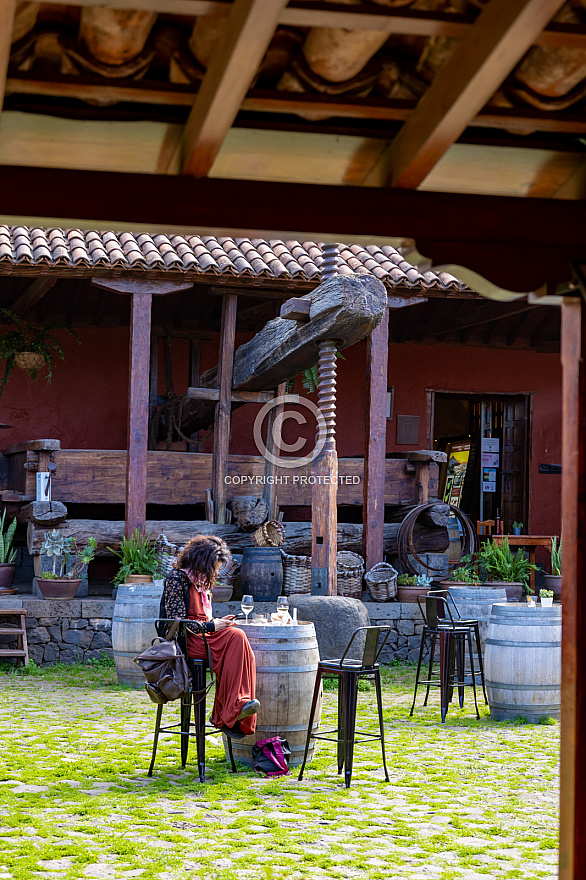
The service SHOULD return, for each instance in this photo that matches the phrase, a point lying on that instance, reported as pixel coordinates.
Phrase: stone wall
(69, 632)
(80, 629)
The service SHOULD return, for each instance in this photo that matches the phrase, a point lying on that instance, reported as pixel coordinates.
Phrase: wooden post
(324, 493)
(269, 491)
(138, 412)
(572, 864)
(375, 443)
(223, 406)
(154, 388)
(194, 370)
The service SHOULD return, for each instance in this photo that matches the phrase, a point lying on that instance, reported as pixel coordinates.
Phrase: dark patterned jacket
(175, 603)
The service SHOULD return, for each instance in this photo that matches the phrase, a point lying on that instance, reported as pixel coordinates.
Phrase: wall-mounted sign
(490, 444)
(488, 479)
(489, 452)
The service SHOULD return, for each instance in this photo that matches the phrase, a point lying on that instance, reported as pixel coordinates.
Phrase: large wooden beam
(504, 31)
(223, 408)
(138, 412)
(375, 443)
(345, 308)
(7, 11)
(249, 30)
(33, 294)
(572, 859)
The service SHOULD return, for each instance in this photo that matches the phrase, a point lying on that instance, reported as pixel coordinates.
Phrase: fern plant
(7, 551)
(37, 338)
(500, 564)
(137, 555)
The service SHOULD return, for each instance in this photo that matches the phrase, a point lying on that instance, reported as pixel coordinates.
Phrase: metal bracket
(319, 581)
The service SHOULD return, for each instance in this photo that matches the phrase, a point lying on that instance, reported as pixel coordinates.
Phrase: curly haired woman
(187, 594)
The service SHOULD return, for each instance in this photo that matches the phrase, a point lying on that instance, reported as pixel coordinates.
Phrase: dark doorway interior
(486, 438)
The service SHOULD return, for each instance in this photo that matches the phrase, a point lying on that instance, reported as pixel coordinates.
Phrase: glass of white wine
(283, 607)
(247, 604)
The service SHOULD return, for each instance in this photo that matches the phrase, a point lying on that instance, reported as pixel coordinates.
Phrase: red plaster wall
(85, 405)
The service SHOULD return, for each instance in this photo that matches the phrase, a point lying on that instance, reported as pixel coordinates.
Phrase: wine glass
(283, 607)
(247, 605)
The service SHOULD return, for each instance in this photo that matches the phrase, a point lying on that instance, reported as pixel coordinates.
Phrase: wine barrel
(133, 628)
(476, 603)
(522, 662)
(262, 573)
(286, 665)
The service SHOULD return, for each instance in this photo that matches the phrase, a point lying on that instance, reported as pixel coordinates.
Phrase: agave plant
(7, 551)
(556, 556)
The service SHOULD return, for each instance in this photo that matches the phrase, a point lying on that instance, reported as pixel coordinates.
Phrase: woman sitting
(187, 594)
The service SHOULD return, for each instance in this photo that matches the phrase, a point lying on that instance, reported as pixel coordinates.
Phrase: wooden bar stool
(348, 672)
(185, 727)
(20, 653)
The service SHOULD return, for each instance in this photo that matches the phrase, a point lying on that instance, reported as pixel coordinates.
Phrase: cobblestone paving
(467, 799)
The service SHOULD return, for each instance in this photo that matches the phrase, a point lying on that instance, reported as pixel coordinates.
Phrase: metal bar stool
(188, 728)
(453, 638)
(348, 672)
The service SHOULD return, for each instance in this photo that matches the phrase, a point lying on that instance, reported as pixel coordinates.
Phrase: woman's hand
(222, 623)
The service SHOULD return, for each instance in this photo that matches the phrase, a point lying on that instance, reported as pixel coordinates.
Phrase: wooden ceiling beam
(250, 27)
(33, 294)
(306, 13)
(504, 31)
(7, 11)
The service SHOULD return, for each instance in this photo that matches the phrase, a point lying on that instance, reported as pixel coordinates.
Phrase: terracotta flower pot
(410, 592)
(514, 590)
(7, 570)
(58, 588)
(139, 579)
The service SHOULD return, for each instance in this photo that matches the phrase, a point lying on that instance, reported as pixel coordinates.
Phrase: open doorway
(487, 440)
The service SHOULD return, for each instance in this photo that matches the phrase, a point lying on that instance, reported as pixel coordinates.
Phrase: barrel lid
(303, 629)
(504, 609)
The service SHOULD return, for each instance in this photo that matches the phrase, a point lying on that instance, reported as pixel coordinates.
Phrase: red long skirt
(235, 672)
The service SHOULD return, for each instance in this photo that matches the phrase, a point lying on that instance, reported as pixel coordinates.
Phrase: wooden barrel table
(286, 665)
(133, 628)
(522, 662)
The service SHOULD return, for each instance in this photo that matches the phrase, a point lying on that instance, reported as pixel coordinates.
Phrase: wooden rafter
(249, 30)
(7, 10)
(502, 34)
(33, 294)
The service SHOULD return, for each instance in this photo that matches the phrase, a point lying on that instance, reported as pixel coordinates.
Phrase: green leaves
(137, 556)
(7, 555)
(556, 556)
(499, 564)
(39, 338)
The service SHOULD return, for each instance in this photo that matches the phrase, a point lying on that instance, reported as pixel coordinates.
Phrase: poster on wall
(489, 453)
(458, 455)
(488, 479)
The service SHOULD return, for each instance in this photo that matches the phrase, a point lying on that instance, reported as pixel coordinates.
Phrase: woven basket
(228, 571)
(382, 582)
(296, 574)
(270, 534)
(166, 555)
(350, 573)
(31, 361)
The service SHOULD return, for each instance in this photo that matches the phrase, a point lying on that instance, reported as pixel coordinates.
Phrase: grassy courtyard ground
(468, 799)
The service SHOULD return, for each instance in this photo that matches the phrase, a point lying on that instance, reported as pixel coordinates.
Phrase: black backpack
(166, 671)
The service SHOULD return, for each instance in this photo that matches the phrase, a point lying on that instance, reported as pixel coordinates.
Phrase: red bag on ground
(271, 756)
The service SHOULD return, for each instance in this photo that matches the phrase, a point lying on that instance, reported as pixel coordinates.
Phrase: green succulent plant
(62, 548)
(556, 556)
(7, 551)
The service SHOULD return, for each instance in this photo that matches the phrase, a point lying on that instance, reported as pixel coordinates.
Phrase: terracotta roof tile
(205, 255)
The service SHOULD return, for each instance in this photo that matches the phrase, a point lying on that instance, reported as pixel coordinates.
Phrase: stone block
(100, 640)
(36, 652)
(38, 636)
(51, 654)
(71, 654)
(101, 624)
(405, 627)
(43, 621)
(80, 637)
(413, 654)
(383, 611)
(98, 654)
(59, 608)
(8, 602)
(55, 633)
(335, 619)
(80, 623)
(98, 608)
(439, 563)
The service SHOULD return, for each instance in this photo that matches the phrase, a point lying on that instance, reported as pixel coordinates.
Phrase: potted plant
(553, 581)
(504, 569)
(409, 587)
(30, 346)
(546, 597)
(60, 583)
(138, 560)
(517, 527)
(463, 575)
(7, 555)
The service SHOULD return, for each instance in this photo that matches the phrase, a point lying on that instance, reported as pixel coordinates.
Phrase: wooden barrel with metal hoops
(133, 628)
(522, 662)
(286, 666)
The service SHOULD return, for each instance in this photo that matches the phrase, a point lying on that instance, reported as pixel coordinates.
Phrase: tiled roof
(90, 251)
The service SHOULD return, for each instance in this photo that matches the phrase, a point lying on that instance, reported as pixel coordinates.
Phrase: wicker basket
(228, 571)
(296, 574)
(382, 582)
(350, 573)
(31, 361)
(166, 555)
(270, 534)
